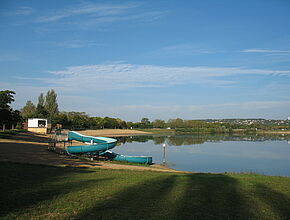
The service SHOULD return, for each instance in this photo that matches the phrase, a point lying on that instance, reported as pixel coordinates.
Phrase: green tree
(41, 100)
(176, 123)
(159, 123)
(40, 109)
(16, 118)
(145, 123)
(99, 122)
(6, 98)
(77, 120)
(121, 124)
(29, 110)
(110, 122)
(145, 120)
(62, 119)
(51, 105)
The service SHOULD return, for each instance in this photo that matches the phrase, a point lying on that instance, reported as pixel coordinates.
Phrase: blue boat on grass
(101, 146)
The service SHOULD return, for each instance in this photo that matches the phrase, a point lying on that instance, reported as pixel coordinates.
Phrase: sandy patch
(113, 132)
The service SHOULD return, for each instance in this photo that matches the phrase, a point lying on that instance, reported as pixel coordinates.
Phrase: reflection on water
(268, 155)
(179, 140)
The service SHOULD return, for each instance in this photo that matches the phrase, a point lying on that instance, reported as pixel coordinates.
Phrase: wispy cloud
(145, 17)
(121, 76)
(82, 83)
(94, 10)
(185, 49)
(262, 109)
(20, 11)
(257, 50)
(89, 14)
(77, 43)
(244, 105)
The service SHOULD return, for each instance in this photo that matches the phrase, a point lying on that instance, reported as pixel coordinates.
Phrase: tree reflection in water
(180, 140)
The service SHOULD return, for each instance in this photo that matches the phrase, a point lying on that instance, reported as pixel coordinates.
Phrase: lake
(269, 155)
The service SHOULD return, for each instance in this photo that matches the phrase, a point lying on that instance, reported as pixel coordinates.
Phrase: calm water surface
(216, 154)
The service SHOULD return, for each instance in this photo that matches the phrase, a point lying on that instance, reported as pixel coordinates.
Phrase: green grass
(43, 192)
(9, 133)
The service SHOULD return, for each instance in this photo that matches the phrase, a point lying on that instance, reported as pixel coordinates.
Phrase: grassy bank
(43, 192)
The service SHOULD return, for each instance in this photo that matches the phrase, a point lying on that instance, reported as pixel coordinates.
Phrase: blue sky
(158, 59)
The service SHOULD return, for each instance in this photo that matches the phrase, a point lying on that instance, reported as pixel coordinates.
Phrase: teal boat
(100, 146)
(130, 159)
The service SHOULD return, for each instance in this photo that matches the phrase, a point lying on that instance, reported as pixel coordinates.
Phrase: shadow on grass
(279, 202)
(24, 136)
(141, 195)
(212, 196)
(142, 201)
(196, 196)
(30, 184)
(193, 196)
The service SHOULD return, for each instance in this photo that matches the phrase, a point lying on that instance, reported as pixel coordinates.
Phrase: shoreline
(114, 132)
(31, 148)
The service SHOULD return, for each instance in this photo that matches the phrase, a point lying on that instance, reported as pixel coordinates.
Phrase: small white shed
(38, 125)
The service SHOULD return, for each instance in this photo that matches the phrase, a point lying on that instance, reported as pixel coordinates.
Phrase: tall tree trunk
(13, 126)
(3, 127)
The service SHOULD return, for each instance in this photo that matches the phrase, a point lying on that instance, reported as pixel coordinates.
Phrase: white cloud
(91, 14)
(20, 11)
(77, 43)
(119, 76)
(94, 10)
(95, 81)
(73, 43)
(254, 109)
(144, 17)
(80, 95)
(24, 10)
(257, 50)
(184, 49)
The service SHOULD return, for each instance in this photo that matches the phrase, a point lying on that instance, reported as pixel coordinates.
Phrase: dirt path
(32, 148)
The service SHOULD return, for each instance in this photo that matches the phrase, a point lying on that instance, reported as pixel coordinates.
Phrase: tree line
(199, 126)
(47, 107)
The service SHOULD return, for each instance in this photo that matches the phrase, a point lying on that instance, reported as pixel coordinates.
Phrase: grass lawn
(44, 192)
(9, 133)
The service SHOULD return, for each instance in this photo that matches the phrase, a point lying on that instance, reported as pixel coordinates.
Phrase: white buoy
(164, 153)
